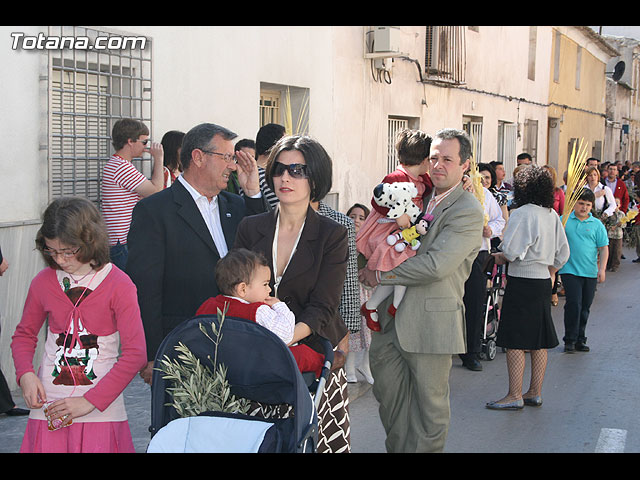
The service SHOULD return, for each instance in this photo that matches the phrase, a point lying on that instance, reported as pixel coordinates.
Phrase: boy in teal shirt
(589, 245)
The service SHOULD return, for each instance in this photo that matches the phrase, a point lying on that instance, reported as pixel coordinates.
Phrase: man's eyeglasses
(295, 170)
(65, 253)
(227, 157)
(144, 142)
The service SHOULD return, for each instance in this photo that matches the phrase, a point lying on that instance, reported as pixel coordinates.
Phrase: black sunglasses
(296, 170)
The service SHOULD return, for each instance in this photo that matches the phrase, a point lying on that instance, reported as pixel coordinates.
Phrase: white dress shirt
(211, 216)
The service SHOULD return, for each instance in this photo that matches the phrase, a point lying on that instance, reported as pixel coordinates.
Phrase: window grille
(507, 142)
(285, 105)
(270, 107)
(395, 125)
(445, 52)
(89, 90)
(531, 138)
(473, 127)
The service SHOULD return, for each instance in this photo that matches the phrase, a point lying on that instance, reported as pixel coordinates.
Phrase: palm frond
(478, 189)
(576, 178)
(302, 124)
(288, 119)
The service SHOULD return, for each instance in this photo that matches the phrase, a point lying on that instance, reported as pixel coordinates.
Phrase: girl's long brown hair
(76, 222)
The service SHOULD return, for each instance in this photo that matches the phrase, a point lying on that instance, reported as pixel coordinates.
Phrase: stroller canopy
(260, 367)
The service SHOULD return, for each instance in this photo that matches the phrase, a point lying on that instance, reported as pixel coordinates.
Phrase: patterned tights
(515, 368)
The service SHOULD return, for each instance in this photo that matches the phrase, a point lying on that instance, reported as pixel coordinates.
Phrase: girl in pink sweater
(95, 341)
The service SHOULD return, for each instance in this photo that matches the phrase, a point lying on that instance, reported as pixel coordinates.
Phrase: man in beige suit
(411, 357)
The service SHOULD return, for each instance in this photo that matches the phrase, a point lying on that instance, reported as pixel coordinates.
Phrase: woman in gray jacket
(535, 246)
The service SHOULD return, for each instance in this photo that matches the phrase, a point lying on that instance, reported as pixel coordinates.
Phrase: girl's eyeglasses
(295, 170)
(65, 253)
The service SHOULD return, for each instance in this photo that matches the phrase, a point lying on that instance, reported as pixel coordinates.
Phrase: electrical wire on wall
(378, 74)
(384, 74)
(418, 66)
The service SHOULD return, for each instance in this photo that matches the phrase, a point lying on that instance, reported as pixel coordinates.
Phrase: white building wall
(23, 180)
(213, 74)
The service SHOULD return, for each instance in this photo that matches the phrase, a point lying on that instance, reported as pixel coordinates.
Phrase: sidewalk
(137, 397)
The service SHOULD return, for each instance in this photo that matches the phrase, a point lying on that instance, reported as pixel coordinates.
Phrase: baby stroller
(261, 368)
(491, 308)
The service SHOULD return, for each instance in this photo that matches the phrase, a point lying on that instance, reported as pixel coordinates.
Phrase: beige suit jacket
(430, 318)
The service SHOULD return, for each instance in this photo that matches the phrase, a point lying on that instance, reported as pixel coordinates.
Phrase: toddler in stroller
(258, 366)
(243, 278)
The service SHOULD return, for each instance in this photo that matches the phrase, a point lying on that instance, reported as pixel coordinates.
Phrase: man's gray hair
(463, 139)
(199, 137)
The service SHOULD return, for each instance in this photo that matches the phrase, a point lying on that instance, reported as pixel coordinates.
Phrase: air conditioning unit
(386, 39)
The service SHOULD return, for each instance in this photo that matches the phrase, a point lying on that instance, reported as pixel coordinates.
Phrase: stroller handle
(326, 369)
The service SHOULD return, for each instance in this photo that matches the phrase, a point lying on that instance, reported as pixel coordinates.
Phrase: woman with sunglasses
(308, 256)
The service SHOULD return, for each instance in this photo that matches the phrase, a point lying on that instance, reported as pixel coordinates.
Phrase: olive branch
(195, 388)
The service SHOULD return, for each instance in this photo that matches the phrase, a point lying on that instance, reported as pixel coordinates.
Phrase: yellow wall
(582, 110)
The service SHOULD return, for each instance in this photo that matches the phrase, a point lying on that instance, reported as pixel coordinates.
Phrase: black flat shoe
(569, 348)
(16, 412)
(517, 405)
(533, 401)
(581, 347)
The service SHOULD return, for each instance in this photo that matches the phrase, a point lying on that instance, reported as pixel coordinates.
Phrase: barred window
(394, 126)
(473, 126)
(89, 90)
(445, 52)
(285, 105)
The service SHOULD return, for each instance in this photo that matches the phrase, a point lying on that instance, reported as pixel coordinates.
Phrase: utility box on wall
(386, 39)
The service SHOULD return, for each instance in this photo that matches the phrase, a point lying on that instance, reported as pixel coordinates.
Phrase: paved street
(590, 399)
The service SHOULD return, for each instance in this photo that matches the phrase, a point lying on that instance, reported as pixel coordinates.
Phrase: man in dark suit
(178, 235)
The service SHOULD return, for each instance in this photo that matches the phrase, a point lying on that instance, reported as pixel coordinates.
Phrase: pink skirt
(371, 241)
(87, 437)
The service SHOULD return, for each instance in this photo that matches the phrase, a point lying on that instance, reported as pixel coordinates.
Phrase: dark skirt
(525, 320)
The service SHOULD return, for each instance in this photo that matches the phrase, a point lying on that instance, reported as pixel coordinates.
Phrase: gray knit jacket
(534, 240)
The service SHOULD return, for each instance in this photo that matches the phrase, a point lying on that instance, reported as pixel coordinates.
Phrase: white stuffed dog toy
(397, 197)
